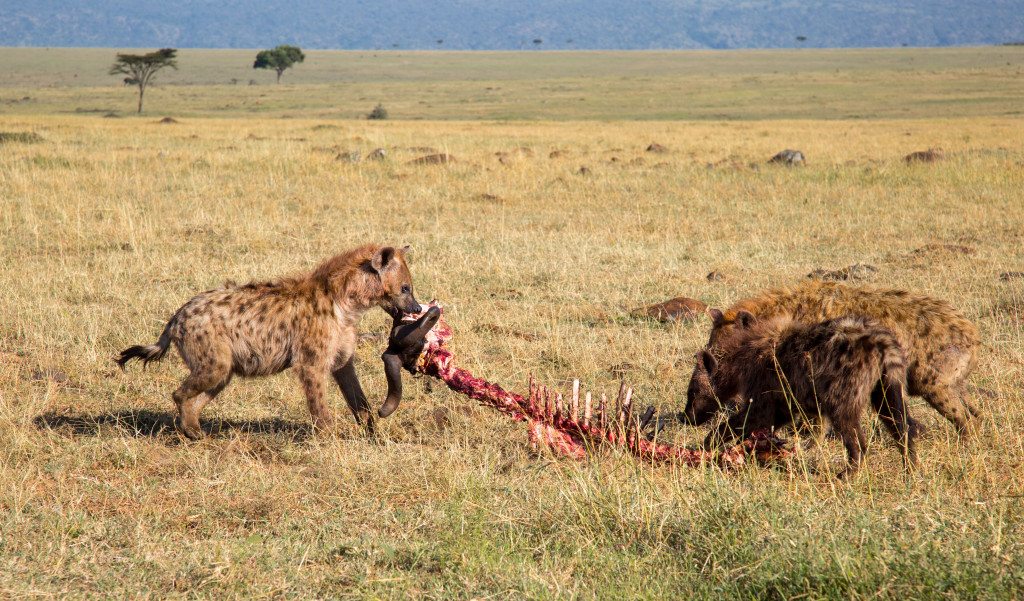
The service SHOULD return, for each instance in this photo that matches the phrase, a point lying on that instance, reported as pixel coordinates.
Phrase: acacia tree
(279, 59)
(140, 68)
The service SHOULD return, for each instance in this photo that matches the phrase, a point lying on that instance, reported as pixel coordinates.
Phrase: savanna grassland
(107, 225)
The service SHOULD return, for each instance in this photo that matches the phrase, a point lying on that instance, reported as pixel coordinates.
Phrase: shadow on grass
(154, 424)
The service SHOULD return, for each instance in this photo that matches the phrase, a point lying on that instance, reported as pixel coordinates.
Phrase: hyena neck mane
(758, 338)
(751, 355)
(348, 280)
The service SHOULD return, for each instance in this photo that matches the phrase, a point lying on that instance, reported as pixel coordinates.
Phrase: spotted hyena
(938, 341)
(776, 371)
(307, 322)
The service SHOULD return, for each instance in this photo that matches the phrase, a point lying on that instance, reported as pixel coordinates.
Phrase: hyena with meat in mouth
(309, 322)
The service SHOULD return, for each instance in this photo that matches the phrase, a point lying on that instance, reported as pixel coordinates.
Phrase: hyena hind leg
(193, 395)
(952, 406)
(893, 413)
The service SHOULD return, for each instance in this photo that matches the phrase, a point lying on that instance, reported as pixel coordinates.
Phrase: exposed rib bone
(575, 408)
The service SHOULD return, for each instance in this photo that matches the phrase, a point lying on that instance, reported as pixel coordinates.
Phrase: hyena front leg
(312, 379)
(348, 382)
(856, 442)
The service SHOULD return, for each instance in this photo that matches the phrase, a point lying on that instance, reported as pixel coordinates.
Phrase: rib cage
(575, 427)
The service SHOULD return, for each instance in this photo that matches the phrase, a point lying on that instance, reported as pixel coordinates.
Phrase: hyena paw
(323, 423)
(190, 432)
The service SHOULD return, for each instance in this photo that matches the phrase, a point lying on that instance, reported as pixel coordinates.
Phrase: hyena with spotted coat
(309, 322)
(776, 371)
(939, 343)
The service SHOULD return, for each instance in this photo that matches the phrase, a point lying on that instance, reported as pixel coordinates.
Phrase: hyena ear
(382, 258)
(405, 250)
(717, 317)
(708, 361)
(745, 319)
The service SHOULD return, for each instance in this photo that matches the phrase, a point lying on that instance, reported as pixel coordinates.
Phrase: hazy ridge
(483, 24)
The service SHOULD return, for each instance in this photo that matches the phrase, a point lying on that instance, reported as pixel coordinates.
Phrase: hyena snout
(701, 402)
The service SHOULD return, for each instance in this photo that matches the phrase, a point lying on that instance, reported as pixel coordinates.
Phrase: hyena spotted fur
(307, 322)
(939, 343)
(776, 371)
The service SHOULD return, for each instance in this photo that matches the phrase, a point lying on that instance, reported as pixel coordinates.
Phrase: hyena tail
(148, 352)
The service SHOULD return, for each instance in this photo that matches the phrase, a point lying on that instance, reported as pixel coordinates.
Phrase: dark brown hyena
(773, 372)
(257, 329)
(939, 342)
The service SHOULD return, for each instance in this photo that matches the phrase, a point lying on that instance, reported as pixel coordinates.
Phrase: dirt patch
(168, 121)
(680, 308)
(488, 197)
(925, 156)
(557, 154)
(656, 148)
(857, 271)
(938, 248)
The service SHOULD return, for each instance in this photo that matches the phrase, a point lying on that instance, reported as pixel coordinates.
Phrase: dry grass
(109, 225)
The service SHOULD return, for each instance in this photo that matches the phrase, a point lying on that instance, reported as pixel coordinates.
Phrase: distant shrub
(378, 112)
(23, 137)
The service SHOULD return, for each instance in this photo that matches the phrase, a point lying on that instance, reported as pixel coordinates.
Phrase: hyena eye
(406, 289)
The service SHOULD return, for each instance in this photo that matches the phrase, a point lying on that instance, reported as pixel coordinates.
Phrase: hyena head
(725, 325)
(701, 401)
(707, 395)
(396, 295)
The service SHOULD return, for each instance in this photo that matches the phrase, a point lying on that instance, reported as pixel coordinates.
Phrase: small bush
(378, 112)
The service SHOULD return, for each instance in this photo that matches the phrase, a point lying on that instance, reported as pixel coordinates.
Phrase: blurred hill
(490, 25)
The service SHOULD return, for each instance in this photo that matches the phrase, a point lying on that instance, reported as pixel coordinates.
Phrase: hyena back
(773, 372)
(261, 328)
(940, 343)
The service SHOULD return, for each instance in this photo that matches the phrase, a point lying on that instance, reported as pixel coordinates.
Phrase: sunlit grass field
(108, 225)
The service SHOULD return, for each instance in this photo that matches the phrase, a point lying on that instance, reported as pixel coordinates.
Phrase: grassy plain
(108, 225)
(716, 85)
